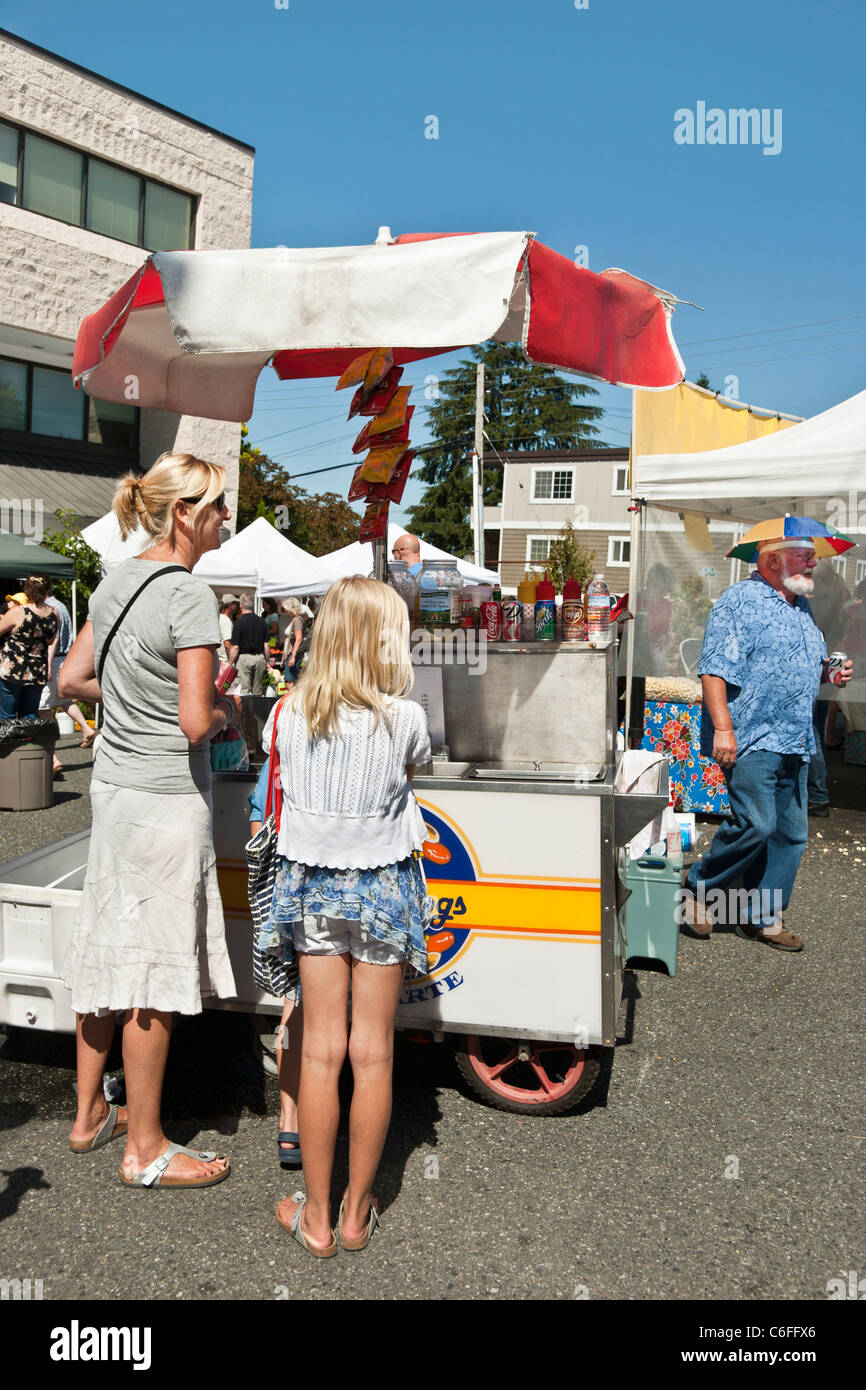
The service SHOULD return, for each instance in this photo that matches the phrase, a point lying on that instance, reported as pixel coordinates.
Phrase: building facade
(543, 490)
(93, 177)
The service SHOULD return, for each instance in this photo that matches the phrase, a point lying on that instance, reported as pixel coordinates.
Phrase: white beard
(798, 584)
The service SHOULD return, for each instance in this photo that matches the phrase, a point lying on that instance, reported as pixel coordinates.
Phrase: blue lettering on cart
(422, 994)
(446, 909)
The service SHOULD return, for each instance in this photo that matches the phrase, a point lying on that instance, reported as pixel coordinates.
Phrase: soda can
(512, 620)
(835, 662)
(491, 619)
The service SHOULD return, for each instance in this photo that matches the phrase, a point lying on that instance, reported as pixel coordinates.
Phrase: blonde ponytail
(148, 500)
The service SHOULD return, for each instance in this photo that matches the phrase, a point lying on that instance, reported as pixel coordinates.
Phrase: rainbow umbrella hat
(827, 542)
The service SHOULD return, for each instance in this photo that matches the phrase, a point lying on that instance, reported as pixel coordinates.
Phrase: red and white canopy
(191, 330)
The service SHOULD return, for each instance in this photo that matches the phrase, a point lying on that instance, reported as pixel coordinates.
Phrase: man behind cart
(762, 662)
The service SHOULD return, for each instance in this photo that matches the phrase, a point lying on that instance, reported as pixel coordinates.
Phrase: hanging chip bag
(374, 525)
(400, 435)
(365, 404)
(393, 490)
(380, 464)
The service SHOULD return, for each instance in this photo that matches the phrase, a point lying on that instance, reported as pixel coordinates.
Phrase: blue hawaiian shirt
(769, 653)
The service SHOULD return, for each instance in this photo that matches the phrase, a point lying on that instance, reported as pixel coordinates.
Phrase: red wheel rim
(563, 1059)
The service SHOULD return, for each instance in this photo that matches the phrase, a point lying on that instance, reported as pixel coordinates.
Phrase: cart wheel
(527, 1078)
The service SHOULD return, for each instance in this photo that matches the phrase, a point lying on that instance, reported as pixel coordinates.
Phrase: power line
(789, 357)
(762, 332)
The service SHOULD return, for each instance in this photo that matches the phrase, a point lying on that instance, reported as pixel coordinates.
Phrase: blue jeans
(764, 842)
(817, 784)
(18, 700)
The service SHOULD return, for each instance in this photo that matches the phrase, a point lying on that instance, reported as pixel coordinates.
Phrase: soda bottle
(545, 610)
(526, 595)
(598, 611)
(573, 616)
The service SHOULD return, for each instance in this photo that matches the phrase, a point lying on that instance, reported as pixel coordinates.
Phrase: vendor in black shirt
(249, 649)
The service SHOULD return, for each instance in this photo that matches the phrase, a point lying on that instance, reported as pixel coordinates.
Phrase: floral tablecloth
(697, 783)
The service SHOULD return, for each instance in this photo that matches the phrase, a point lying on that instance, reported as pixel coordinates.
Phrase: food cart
(523, 857)
(524, 823)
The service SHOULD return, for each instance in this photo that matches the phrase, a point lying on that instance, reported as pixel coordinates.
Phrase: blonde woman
(150, 939)
(293, 638)
(350, 897)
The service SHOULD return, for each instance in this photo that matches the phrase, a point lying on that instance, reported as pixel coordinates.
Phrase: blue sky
(552, 119)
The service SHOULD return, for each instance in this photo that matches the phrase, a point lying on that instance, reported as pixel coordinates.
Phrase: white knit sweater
(347, 803)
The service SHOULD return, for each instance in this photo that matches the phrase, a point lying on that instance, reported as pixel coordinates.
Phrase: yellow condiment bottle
(526, 595)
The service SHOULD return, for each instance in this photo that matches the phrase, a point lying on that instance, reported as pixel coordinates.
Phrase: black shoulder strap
(167, 569)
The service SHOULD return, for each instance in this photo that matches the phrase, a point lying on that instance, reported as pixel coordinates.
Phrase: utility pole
(478, 468)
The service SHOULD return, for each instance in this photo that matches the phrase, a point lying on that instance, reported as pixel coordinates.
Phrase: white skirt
(150, 932)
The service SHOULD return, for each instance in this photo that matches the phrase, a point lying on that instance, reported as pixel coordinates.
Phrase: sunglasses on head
(218, 502)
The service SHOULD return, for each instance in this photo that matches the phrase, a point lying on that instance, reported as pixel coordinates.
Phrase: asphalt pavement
(718, 1157)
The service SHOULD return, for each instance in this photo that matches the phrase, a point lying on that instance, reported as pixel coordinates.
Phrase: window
(53, 177)
(113, 201)
(859, 571)
(618, 550)
(8, 164)
(57, 408)
(552, 484)
(537, 550)
(620, 480)
(43, 400)
(167, 219)
(78, 188)
(839, 565)
(13, 396)
(112, 424)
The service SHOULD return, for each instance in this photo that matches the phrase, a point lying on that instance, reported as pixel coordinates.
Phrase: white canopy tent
(258, 558)
(104, 537)
(765, 477)
(262, 559)
(816, 468)
(358, 559)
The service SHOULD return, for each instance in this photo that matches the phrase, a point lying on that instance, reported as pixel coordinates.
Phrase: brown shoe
(783, 940)
(695, 918)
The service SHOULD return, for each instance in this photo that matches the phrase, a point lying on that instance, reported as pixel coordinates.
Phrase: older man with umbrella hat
(762, 662)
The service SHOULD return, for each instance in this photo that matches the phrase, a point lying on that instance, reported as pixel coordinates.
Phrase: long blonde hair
(148, 500)
(359, 654)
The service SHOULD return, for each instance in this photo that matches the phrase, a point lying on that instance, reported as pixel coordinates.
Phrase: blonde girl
(350, 896)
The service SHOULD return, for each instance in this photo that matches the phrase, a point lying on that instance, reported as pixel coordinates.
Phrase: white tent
(765, 477)
(358, 559)
(104, 537)
(257, 558)
(260, 558)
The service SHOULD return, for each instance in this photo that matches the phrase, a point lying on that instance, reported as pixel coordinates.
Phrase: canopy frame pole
(632, 572)
(478, 469)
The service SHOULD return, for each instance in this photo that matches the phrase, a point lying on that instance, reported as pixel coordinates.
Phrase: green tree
(569, 558)
(526, 407)
(68, 540)
(317, 522)
(704, 380)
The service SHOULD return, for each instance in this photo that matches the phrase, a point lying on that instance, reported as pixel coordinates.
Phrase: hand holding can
(840, 668)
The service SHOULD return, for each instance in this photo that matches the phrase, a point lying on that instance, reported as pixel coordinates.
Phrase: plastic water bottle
(598, 611)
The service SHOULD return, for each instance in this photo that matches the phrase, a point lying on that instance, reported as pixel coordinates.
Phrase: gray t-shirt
(142, 743)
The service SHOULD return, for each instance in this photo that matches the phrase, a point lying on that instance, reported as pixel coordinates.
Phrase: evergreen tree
(526, 407)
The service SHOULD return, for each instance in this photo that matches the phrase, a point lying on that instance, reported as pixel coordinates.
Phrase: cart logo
(445, 857)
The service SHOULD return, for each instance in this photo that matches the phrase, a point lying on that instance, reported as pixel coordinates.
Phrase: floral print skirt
(390, 902)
